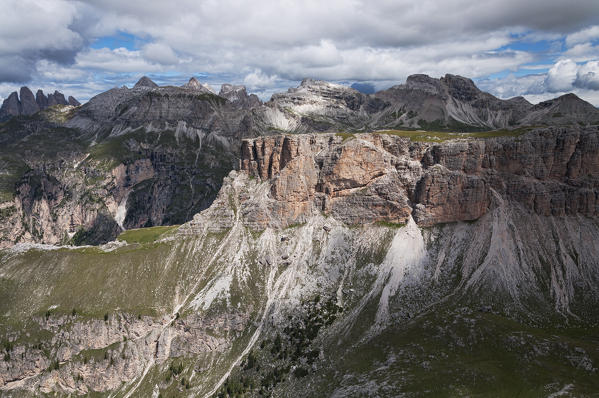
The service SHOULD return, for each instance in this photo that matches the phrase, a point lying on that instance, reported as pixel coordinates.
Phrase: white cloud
(160, 53)
(561, 76)
(581, 52)
(588, 76)
(258, 79)
(583, 36)
(53, 72)
(268, 43)
(117, 60)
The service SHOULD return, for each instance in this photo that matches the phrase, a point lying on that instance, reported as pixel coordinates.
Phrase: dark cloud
(15, 69)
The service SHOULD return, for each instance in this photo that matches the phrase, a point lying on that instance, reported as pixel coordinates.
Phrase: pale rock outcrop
(195, 84)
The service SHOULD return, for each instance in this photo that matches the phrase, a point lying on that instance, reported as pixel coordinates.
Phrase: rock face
(73, 101)
(11, 105)
(156, 155)
(318, 106)
(379, 177)
(238, 94)
(41, 99)
(567, 109)
(195, 84)
(145, 82)
(449, 103)
(56, 99)
(27, 104)
(57, 188)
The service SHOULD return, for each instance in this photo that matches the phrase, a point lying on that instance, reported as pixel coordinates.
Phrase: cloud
(561, 76)
(117, 60)
(582, 36)
(587, 76)
(258, 80)
(34, 30)
(160, 53)
(267, 44)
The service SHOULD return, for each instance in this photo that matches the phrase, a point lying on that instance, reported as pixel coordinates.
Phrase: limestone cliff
(382, 177)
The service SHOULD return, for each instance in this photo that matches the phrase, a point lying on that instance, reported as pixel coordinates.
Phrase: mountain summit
(145, 82)
(25, 103)
(195, 84)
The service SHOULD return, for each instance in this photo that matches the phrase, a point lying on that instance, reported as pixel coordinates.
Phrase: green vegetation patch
(390, 224)
(344, 136)
(146, 235)
(441, 136)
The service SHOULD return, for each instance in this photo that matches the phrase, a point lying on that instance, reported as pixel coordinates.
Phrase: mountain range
(25, 103)
(425, 240)
(150, 155)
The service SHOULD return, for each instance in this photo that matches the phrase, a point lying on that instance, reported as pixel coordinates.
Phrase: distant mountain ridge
(155, 155)
(25, 103)
(449, 103)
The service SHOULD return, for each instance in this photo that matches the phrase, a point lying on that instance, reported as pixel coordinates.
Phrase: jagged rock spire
(195, 84)
(25, 103)
(145, 82)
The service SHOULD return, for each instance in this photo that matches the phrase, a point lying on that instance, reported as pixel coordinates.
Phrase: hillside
(333, 265)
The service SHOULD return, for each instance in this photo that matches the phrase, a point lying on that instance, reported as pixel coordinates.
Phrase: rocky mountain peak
(28, 104)
(314, 83)
(145, 82)
(461, 87)
(227, 89)
(238, 94)
(424, 82)
(41, 99)
(195, 84)
(11, 105)
(25, 103)
(308, 82)
(520, 101)
(73, 101)
(57, 99)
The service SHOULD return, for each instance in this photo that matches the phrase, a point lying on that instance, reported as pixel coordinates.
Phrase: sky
(536, 48)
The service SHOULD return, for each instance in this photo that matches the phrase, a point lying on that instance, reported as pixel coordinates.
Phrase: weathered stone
(376, 177)
(28, 104)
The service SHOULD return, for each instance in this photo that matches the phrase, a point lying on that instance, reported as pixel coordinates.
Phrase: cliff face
(380, 177)
(26, 104)
(188, 138)
(56, 187)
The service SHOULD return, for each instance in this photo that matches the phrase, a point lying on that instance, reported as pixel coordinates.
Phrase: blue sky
(539, 49)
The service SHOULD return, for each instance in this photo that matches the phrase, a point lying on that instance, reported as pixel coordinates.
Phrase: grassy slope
(146, 235)
(94, 282)
(441, 136)
(453, 351)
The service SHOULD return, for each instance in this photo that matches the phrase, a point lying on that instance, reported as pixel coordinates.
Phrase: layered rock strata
(384, 178)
